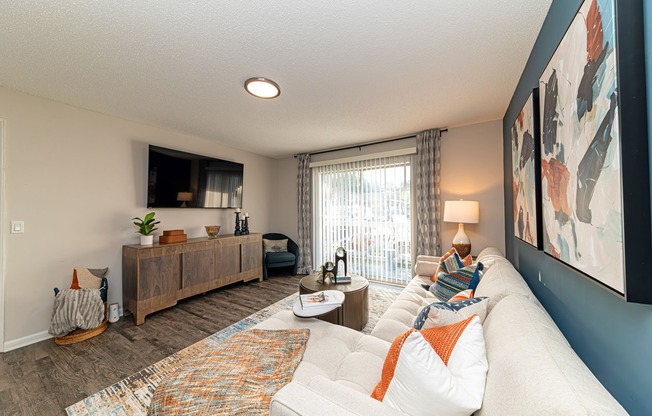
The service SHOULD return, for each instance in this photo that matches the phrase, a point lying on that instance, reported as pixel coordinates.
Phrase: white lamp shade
(184, 196)
(467, 212)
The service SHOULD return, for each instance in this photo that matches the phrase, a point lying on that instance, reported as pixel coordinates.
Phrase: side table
(317, 311)
(355, 308)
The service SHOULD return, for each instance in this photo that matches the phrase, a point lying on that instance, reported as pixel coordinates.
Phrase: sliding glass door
(364, 206)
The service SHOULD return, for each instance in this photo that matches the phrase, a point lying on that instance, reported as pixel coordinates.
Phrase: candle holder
(237, 224)
(245, 225)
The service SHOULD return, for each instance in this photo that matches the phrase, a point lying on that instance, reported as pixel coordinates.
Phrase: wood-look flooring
(44, 378)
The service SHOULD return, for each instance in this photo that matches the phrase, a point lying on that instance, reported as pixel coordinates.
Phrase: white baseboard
(31, 339)
(25, 341)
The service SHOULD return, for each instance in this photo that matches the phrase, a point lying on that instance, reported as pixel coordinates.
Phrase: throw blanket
(238, 377)
(76, 308)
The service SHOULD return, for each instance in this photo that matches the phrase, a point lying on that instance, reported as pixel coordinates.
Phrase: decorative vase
(146, 240)
(212, 230)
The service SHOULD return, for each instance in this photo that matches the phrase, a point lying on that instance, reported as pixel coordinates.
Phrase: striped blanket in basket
(238, 377)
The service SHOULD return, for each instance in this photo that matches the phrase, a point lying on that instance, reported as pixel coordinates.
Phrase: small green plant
(147, 225)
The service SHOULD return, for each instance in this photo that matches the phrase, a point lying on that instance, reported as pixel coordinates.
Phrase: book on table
(313, 300)
(342, 279)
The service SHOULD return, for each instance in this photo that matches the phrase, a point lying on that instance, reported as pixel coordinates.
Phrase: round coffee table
(355, 309)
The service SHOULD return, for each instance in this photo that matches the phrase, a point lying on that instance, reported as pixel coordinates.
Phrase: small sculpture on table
(328, 271)
(337, 272)
(342, 275)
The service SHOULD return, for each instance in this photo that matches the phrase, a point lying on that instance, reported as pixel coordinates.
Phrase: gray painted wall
(613, 338)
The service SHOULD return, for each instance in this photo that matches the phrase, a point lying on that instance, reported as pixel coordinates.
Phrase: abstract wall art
(525, 165)
(584, 146)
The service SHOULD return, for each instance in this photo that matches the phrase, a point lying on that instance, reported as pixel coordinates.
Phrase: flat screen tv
(184, 180)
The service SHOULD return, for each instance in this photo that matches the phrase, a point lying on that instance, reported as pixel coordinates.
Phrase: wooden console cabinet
(155, 277)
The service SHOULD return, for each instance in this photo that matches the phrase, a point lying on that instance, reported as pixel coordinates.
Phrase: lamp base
(463, 250)
(461, 242)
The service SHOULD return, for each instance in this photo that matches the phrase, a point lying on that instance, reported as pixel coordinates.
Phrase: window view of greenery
(365, 208)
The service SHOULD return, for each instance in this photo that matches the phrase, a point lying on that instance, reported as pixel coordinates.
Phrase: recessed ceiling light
(262, 87)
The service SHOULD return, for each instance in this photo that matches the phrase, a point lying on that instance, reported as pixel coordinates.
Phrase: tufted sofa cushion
(323, 397)
(342, 355)
(399, 317)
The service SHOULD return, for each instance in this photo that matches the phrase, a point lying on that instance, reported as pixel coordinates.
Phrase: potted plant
(145, 228)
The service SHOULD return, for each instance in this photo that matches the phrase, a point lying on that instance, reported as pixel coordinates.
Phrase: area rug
(132, 396)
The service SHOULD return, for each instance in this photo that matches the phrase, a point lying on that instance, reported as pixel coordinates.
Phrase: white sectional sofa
(532, 368)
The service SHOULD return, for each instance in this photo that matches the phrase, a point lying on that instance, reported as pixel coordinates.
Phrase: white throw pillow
(275, 246)
(436, 371)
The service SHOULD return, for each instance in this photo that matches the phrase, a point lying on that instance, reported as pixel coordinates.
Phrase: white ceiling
(350, 71)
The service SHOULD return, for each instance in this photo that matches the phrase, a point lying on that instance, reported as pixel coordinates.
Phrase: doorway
(2, 235)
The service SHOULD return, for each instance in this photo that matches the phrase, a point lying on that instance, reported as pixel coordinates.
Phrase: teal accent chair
(286, 259)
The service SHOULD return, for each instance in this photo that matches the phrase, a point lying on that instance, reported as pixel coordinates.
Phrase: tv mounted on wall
(178, 179)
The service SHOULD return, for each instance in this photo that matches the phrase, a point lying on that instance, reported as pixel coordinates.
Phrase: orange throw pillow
(442, 368)
(463, 295)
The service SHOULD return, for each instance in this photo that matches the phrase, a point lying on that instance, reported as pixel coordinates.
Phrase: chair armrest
(323, 397)
(293, 247)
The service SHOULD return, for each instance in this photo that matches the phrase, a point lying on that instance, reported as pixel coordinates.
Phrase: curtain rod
(360, 146)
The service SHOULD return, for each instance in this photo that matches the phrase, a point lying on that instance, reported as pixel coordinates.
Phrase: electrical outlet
(17, 227)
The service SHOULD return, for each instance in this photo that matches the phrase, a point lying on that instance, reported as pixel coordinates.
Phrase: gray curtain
(304, 263)
(428, 204)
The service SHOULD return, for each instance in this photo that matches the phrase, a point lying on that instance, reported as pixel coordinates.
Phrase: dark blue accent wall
(613, 337)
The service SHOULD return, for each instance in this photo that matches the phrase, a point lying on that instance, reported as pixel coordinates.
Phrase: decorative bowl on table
(213, 230)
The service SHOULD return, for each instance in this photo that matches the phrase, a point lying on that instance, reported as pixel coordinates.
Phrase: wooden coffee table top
(312, 283)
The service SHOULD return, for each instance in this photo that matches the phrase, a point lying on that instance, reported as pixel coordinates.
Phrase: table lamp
(184, 197)
(462, 212)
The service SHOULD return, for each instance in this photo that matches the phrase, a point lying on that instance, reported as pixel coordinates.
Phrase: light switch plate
(17, 227)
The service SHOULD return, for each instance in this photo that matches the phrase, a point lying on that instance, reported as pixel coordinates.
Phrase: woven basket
(79, 335)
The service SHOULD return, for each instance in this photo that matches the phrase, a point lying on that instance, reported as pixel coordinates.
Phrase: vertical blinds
(364, 206)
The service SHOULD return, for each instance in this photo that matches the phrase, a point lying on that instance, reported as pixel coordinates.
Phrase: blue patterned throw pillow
(450, 262)
(450, 284)
(445, 313)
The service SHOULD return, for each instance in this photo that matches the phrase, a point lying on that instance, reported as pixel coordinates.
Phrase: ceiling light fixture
(262, 87)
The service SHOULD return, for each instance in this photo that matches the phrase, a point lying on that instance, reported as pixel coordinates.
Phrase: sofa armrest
(323, 397)
(426, 265)
(424, 257)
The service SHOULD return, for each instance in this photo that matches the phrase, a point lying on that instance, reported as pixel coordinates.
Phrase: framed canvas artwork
(525, 172)
(593, 129)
